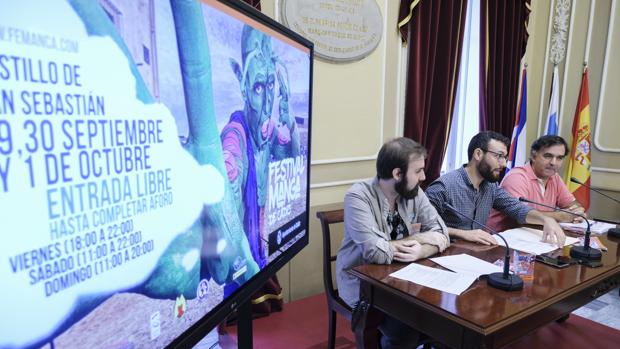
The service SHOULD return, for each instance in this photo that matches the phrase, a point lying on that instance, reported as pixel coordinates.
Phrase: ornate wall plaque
(341, 30)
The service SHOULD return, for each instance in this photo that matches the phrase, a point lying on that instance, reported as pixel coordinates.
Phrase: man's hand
(479, 236)
(578, 210)
(565, 217)
(406, 250)
(552, 233)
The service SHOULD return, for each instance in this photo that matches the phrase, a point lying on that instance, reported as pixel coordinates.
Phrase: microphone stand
(503, 281)
(575, 180)
(580, 252)
(614, 232)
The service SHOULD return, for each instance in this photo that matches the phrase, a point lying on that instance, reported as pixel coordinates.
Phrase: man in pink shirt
(539, 181)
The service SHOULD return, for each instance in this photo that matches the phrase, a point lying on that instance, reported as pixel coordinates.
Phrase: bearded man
(473, 190)
(388, 218)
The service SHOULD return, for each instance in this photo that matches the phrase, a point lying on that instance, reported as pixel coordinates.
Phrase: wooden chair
(334, 302)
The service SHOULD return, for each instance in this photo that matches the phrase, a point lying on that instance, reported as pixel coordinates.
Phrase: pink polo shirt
(522, 182)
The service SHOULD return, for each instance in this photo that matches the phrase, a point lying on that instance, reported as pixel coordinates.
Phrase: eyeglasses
(496, 155)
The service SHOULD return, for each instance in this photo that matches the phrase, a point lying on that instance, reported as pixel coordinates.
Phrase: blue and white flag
(517, 153)
(551, 128)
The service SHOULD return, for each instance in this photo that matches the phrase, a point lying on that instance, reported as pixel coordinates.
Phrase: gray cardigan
(366, 232)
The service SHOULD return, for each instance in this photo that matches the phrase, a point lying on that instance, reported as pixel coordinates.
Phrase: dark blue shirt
(456, 189)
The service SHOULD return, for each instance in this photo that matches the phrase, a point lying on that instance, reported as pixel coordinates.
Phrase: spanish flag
(580, 156)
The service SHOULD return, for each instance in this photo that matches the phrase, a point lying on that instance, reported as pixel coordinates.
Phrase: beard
(401, 189)
(487, 173)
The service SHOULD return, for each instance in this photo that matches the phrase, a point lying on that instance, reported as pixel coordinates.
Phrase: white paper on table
(528, 240)
(596, 227)
(438, 279)
(464, 263)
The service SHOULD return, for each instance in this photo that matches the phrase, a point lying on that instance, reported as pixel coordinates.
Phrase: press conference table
(481, 317)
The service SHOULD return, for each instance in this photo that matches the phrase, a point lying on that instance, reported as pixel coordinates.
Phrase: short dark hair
(547, 141)
(397, 153)
(482, 139)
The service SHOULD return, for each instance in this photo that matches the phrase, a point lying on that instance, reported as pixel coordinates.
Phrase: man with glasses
(473, 191)
(539, 181)
(388, 218)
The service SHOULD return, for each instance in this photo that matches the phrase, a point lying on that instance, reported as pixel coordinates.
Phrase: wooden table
(481, 317)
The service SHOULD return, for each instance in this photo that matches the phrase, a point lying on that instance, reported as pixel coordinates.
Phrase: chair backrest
(327, 218)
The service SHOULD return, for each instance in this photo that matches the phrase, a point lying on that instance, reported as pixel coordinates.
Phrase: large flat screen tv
(154, 167)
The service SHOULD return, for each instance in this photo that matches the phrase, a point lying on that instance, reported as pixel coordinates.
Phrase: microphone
(579, 252)
(504, 281)
(615, 232)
